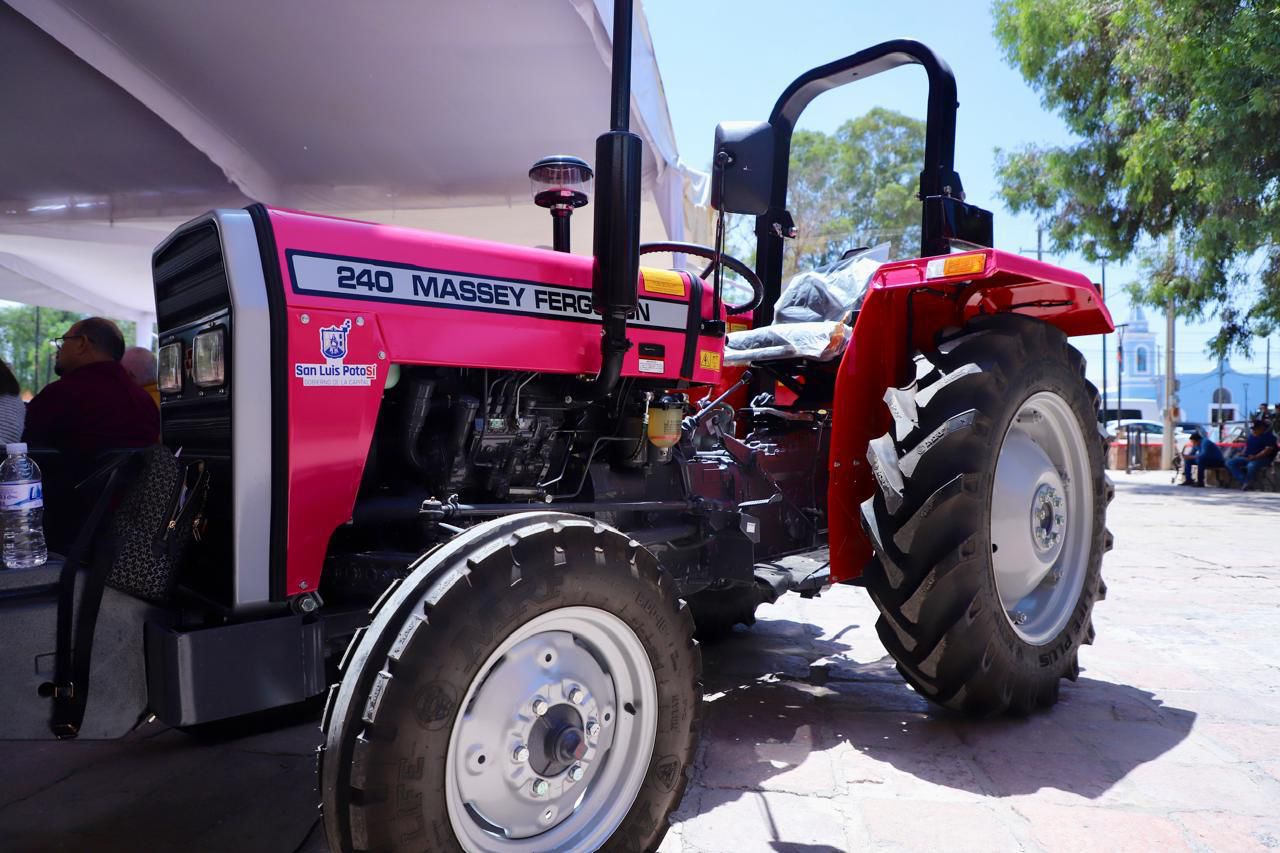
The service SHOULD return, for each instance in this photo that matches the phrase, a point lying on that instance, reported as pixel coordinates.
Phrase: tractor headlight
(169, 369)
(209, 367)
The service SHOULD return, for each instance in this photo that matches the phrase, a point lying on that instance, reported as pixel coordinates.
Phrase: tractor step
(807, 573)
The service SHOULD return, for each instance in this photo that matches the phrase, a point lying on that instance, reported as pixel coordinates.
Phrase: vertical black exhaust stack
(617, 215)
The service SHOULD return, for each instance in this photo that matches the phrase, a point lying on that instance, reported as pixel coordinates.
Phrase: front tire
(988, 521)
(532, 685)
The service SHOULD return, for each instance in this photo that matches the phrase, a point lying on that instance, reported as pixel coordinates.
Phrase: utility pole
(1105, 414)
(1039, 249)
(1128, 455)
(1168, 450)
(1120, 369)
(1268, 391)
(1246, 401)
(1219, 399)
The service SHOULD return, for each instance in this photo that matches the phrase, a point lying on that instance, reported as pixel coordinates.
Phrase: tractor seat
(814, 317)
(821, 340)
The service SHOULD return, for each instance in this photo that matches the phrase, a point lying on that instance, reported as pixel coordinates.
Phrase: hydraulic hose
(419, 404)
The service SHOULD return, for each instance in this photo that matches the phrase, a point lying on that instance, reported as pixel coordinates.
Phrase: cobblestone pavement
(1169, 741)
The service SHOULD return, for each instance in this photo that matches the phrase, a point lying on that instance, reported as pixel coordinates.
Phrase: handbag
(157, 519)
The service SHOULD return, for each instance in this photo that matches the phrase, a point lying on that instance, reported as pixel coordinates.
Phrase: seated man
(96, 405)
(1259, 452)
(1202, 453)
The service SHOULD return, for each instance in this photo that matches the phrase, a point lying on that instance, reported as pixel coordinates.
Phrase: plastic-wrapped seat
(813, 318)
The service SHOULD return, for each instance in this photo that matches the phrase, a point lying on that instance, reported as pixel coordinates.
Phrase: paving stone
(1051, 777)
(1067, 829)
(1134, 743)
(1239, 789)
(1213, 831)
(906, 730)
(904, 774)
(789, 767)
(1247, 741)
(1042, 733)
(926, 825)
(769, 822)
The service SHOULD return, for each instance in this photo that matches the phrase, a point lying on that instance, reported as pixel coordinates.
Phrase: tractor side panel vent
(190, 279)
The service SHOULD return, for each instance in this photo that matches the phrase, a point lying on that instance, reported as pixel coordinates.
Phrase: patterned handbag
(159, 515)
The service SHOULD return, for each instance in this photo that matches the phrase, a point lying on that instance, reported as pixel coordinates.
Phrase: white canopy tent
(126, 117)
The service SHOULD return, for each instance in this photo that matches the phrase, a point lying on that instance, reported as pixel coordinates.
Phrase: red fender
(907, 304)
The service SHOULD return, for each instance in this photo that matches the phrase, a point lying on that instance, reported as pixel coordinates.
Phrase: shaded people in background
(13, 412)
(95, 406)
(140, 364)
(1259, 452)
(1202, 453)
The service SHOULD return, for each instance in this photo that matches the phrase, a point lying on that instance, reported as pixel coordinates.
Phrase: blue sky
(730, 59)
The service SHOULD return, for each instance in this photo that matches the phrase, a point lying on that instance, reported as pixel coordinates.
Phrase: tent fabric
(137, 114)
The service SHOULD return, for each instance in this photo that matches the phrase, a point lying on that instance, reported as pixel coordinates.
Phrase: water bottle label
(27, 495)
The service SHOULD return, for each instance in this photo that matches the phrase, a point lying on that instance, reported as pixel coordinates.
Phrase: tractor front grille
(192, 295)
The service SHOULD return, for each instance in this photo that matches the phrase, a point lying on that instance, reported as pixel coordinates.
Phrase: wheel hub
(557, 740)
(1048, 517)
(547, 702)
(1041, 515)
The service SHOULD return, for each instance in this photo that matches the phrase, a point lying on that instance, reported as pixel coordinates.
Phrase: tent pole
(35, 357)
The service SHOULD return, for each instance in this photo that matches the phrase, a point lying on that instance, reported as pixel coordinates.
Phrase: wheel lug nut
(576, 696)
(1058, 518)
(1057, 501)
(521, 755)
(540, 706)
(576, 772)
(593, 729)
(540, 787)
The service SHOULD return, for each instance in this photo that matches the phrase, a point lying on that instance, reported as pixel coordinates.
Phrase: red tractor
(477, 469)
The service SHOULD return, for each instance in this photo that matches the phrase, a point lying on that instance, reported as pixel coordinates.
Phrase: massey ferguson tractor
(499, 490)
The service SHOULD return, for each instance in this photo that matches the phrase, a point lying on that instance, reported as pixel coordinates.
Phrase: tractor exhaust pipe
(617, 214)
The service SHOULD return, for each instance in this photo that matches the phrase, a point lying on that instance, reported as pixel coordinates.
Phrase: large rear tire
(532, 685)
(988, 521)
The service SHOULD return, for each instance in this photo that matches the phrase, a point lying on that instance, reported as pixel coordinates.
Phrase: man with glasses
(95, 405)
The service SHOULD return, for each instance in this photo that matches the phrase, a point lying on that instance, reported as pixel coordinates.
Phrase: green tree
(1176, 106)
(856, 187)
(25, 335)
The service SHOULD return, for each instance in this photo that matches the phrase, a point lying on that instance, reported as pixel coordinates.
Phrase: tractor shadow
(818, 723)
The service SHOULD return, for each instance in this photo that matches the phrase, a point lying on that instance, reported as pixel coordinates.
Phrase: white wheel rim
(1041, 517)
(555, 735)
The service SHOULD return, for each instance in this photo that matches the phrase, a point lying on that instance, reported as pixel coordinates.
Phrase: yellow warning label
(709, 360)
(663, 281)
(738, 327)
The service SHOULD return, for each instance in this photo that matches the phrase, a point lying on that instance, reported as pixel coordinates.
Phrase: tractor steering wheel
(708, 253)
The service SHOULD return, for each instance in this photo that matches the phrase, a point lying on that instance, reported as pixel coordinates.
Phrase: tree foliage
(25, 335)
(856, 187)
(1176, 104)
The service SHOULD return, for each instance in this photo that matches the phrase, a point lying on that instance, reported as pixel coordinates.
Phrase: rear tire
(431, 741)
(996, 444)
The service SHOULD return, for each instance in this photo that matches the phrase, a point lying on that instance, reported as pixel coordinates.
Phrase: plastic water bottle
(22, 510)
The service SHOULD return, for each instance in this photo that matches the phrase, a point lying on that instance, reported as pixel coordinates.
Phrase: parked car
(1152, 431)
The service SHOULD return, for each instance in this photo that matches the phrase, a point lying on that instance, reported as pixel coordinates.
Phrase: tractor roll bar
(937, 178)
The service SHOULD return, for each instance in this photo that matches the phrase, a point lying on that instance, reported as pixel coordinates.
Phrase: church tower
(1141, 373)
